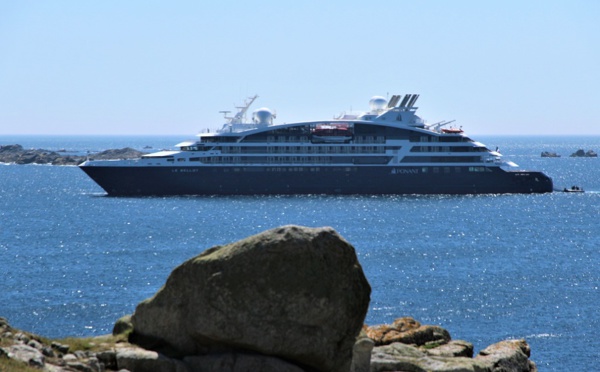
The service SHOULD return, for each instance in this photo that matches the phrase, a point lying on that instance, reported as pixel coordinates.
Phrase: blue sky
(169, 67)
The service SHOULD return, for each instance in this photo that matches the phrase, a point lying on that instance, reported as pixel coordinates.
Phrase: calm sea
(487, 268)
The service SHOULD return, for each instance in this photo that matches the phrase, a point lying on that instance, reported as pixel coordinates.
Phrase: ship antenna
(225, 115)
(240, 116)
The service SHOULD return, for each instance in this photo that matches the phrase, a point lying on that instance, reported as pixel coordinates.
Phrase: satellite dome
(377, 103)
(263, 116)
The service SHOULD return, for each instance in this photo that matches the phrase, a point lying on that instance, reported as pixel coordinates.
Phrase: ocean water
(486, 268)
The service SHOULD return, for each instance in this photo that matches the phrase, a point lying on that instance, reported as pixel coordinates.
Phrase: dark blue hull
(271, 180)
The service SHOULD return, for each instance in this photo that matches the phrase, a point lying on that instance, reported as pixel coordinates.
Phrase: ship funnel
(413, 100)
(394, 101)
(405, 100)
(263, 116)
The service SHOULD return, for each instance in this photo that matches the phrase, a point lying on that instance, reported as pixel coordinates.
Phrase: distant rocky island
(16, 154)
(577, 154)
(548, 154)
(290, 299)
(584, 154)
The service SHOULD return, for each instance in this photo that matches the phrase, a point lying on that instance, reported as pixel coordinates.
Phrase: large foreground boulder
(293, 292)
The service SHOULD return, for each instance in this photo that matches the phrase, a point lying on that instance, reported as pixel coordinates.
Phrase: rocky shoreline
(16, 154)
(290, 299)
(417, 348)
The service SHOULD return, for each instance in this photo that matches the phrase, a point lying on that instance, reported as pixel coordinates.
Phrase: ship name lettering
(404, 171)
(184, 170)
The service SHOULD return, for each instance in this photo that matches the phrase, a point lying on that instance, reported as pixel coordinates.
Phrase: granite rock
(292, 292)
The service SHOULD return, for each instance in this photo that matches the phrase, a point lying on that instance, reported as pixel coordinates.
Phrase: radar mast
(240, 116)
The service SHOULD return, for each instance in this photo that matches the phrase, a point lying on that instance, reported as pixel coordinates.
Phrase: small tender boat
(573, 189)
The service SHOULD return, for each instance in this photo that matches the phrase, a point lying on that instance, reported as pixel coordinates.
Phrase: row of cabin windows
(305, 139)
(429, 138)
(454, 169)
(434, 170)
(196, 148)
(447, 149)
(306, 149)
(441, 159)
(298, 130)
(296, 160)
(220, 139)
(270, 169)
(287, 139)
(291, 169)
(262, 137)
(330, 159)
(309, 169)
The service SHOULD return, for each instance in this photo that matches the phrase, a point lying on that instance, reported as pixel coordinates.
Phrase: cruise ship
(386, 150)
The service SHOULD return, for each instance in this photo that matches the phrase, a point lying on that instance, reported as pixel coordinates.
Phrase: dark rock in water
(547, 154)
(583, 154)
(16, 154)
(293, 292)
(11, 149)
(578, 153)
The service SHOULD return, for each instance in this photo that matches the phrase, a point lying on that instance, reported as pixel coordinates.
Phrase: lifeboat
(452, 131)
(331, 133)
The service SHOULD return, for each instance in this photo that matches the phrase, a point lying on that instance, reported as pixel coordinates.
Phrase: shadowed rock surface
(292, 292)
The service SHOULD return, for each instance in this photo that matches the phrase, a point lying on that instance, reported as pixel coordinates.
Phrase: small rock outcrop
(584, 154)
(406, 345)
(548, 154)
(408, 331)
(509, 355)
(293, 293)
